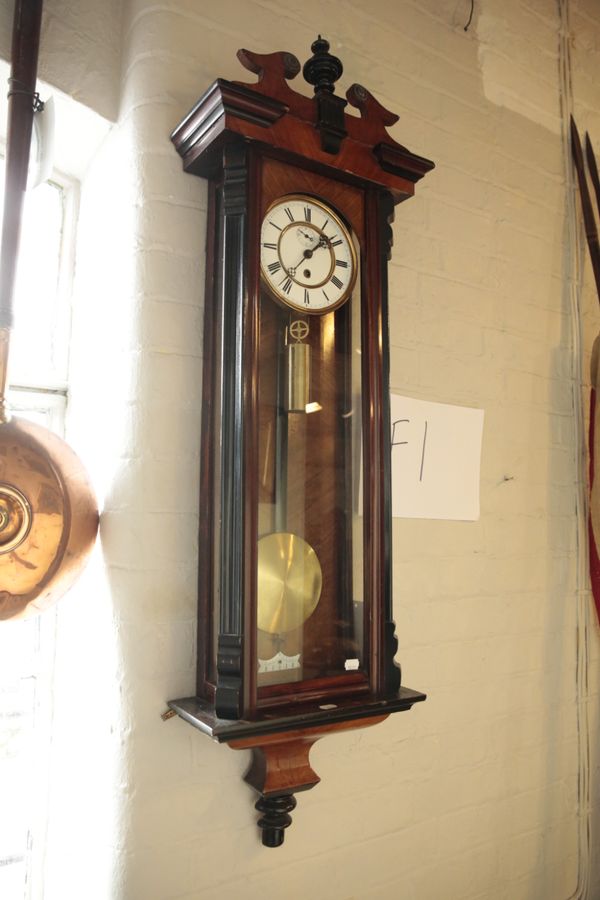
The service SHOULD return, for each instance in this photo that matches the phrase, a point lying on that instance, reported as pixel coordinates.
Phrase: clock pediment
(232, 111)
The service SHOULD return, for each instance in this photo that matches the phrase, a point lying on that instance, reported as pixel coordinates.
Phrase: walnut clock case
(295, 631)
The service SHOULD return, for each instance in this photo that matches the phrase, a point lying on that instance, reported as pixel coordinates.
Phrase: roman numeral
(288, 213)
(270, 246)
(341, 262)
(287, 285)
(336, 243)
(335, 280)
(274, 267)
(325, 224)
(326, 297)
(307, 213)
(306, 299)
(275, 226)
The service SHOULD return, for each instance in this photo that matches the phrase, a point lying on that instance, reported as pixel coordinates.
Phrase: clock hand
(307, 254)
(292, 269)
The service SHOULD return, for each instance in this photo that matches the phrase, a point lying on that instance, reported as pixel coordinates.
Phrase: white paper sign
(436, 459)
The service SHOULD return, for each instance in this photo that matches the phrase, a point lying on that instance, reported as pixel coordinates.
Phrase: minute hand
(307, 254)
(323, 241)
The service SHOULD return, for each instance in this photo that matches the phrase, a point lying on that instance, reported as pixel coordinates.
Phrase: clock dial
(306, 253)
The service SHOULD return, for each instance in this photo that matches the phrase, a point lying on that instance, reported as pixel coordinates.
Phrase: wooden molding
(280, 768)
(312, 128)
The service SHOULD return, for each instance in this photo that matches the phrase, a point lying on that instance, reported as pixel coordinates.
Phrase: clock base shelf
(201, 715)
(280, 768)
(281, 745)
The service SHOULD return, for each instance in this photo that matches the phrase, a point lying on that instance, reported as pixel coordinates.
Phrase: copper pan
(48, 518)
(48, 513)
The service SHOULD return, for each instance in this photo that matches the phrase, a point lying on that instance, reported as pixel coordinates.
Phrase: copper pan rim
(50, 518)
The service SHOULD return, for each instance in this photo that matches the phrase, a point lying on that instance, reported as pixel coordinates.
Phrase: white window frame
(49, 399)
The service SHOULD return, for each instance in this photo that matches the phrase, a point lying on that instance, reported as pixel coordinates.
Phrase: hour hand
(291, 270)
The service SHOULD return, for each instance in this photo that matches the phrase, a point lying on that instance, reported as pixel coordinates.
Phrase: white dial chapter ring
(307, 255)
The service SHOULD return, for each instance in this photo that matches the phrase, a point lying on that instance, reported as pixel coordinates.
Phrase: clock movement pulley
(296, 636)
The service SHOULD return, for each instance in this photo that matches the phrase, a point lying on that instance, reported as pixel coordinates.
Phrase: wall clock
(295, 631)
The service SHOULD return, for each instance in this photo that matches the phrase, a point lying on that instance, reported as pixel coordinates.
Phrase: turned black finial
(275, 817)
(322, 69)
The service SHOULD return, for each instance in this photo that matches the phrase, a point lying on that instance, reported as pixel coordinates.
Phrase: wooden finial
(322, 69)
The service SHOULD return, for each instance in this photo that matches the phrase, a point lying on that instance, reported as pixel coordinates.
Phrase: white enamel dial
(307, 257)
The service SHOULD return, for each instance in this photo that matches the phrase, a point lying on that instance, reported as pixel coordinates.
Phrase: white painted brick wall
(472, 796)
(585, 22)
(81, 49)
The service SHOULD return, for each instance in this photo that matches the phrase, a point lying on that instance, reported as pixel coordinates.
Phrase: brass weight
(298, 368)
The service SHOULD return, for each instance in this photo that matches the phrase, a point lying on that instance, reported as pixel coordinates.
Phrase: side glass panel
(310, 549)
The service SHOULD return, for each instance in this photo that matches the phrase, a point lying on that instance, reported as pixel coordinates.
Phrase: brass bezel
(347, 233)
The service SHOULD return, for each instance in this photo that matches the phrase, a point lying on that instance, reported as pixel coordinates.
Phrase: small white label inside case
(351, 665)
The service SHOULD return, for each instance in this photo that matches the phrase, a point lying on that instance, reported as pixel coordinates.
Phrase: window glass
(38, 355)
(38, 377)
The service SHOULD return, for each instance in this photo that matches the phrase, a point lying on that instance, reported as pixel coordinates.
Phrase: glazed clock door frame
(229, 533)
(321, 504)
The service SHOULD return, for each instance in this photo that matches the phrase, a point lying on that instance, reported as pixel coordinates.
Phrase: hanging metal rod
(22, 102)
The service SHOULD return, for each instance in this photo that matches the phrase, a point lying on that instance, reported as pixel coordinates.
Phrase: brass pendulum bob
(48, 512)
(290, 581)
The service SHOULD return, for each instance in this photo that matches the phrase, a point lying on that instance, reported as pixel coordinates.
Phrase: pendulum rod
(22, 102)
